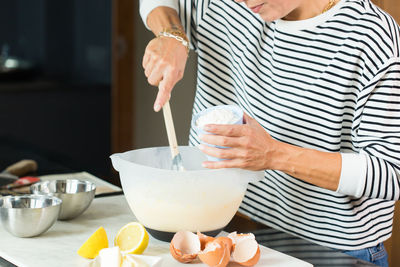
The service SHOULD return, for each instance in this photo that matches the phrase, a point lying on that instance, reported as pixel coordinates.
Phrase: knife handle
(22, 167)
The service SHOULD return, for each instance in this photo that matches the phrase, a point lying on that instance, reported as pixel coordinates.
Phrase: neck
(307, 9)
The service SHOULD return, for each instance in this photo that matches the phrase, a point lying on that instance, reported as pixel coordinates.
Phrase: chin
(268, 17)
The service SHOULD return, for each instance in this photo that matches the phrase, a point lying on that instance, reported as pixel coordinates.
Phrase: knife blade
(7, 178)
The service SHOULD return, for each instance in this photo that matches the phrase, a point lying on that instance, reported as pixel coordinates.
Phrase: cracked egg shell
(228, 242)
(237, 237)
(246, 252)
(204, 239)
(216, 253)
(185, 246)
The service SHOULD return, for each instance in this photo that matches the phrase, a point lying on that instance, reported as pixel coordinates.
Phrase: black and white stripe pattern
(333, 86)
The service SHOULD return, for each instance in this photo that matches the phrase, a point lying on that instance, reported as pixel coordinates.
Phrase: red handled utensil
(24, 181)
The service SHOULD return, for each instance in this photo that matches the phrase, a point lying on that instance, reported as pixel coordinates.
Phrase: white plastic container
(236, 111)
(166, 201)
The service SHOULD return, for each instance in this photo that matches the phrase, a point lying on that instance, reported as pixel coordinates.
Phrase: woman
(319, 80)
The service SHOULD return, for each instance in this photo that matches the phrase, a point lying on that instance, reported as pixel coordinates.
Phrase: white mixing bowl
(166, 201)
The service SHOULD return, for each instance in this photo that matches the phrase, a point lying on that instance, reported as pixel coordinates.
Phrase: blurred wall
(63, 113)
(69, 39)
(149, 126)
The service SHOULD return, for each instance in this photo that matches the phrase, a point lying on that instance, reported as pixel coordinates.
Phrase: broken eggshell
(204, 239)
(236, 237)
(228, 242)
(243, 249)
(246, 250)
(216, 253)
(185, 246)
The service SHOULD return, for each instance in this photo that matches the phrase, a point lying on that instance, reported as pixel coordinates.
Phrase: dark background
(60, 111)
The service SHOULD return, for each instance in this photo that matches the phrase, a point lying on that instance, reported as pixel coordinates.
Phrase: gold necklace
(329, 6)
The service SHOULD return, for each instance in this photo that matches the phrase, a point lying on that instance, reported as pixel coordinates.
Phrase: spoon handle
(169, 124)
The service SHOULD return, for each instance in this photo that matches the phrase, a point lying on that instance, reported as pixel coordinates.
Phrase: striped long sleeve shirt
(330, 83)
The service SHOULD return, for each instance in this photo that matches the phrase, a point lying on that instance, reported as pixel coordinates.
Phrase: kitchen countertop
(112, 213)
(58, 246)
(60, 243)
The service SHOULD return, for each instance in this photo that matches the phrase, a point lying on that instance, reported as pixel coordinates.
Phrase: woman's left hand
(249, 145)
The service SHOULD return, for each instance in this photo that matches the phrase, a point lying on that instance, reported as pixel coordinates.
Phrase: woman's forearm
(253, 148)
(165, 56)
(316, 167)
(163, 18)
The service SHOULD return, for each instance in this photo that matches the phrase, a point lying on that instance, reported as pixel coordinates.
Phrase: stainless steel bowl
(29, 215)
(76, 195)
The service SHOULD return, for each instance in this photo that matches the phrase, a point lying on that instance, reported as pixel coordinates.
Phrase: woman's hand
(250, 146)
(164, 63)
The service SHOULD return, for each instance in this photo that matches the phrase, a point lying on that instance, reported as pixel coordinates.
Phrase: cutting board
(58, 246)
(268, 258)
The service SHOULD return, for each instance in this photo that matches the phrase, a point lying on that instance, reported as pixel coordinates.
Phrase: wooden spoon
(173, 143)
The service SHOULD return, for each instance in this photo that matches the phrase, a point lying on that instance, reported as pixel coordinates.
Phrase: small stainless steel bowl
(76, 195)
(29, 215)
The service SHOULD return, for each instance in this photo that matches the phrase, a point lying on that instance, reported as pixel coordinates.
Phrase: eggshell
(237, 237)
(246, 252)
(228, 242)
(204, 239)
(216, 253)
(185, 246)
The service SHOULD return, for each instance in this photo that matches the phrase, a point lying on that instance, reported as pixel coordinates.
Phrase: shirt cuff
(352, 176)
(146, 6)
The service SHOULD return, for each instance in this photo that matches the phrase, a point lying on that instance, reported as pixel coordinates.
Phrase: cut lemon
(132, 238)
(96, 242)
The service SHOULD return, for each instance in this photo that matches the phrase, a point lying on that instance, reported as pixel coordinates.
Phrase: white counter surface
(57, 247)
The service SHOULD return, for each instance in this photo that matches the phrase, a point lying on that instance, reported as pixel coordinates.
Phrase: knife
(7, 178)
(12, 173)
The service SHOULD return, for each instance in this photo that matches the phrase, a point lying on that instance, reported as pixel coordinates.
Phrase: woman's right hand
(164, 63)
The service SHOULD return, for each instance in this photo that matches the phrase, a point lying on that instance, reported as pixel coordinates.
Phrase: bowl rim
(35, 187)
(200, 171)
(252, 176)
(55, 201)
(120, 155)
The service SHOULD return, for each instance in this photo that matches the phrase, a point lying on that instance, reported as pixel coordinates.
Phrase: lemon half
(132, 238)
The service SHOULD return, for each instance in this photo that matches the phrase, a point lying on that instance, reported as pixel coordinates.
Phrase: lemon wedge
(132, 238)
(96, 242)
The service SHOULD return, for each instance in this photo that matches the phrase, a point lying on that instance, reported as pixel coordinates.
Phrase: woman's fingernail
(157, 107)
(203, 165)
(201, 136)
(206, 127)
(201, 146)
